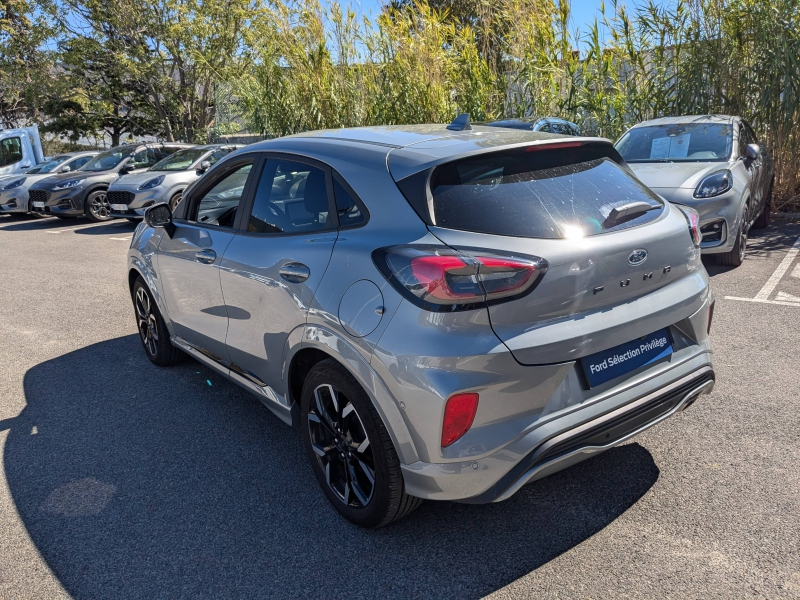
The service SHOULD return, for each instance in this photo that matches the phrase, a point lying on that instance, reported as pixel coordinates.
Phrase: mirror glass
(158, 216)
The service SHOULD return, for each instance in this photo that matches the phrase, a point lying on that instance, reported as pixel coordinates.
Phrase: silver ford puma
(445, 313)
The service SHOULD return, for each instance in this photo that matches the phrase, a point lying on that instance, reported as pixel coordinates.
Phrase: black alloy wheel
(153, 330)
(350, 449)
(342, 446)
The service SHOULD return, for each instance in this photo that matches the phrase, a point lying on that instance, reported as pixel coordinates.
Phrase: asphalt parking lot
(122, 480)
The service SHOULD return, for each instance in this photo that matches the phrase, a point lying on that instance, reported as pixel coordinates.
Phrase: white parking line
(782, 298)
(127, 239)
(779, 272)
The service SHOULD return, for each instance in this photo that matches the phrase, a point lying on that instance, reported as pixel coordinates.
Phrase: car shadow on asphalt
(139, 482)
(116, 226)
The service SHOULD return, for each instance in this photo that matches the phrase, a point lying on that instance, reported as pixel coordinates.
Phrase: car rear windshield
(542, 194)
(691, 142)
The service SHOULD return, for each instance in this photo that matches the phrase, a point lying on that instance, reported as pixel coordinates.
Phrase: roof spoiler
(460, 123)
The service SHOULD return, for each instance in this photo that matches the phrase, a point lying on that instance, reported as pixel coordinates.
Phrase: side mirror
(753, 151)
(125, 170)
(160, 215)
(204, 166)
(65, 169)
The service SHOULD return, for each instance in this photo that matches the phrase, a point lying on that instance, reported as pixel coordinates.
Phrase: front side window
(79, 162)
(217, 155)
(143, 159)
(689, 142)
(292, 197)
(218, 205)
(10, 151)
(744, 139)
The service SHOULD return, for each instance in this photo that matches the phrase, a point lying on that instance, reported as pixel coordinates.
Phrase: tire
(762, 222)
(173, 202)
(97, 207)
(363, 482)
(735, 257)
(153, 331)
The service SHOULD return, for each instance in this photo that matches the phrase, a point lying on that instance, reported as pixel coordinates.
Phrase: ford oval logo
(637, 257)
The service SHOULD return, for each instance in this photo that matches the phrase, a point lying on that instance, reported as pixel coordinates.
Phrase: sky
(583, 11)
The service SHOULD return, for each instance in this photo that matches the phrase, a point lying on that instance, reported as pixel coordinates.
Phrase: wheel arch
(308, 345)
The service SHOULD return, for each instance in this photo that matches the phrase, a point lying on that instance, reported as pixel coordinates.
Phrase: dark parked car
(83, 192)
(543, 124)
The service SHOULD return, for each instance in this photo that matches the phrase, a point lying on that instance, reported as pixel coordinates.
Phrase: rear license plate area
(606, 365)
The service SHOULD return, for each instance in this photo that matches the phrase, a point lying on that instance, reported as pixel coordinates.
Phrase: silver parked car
(444, 313)
(165, 181)
(14, 188)
(543, 124)
(713, 163)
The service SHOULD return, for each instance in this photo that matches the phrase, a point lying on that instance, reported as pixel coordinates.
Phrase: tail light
(693, 218)
(459, 413)
(439, 278)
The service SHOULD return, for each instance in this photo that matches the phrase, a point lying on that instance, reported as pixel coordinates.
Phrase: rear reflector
(710, 316)
(459, 413)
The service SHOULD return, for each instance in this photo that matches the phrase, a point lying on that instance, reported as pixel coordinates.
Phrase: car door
(272, 267)
(189, 259)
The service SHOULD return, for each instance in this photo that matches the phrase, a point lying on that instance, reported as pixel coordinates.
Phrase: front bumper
(719, 216)
(68, 202)
(130, 203)
(14, 200)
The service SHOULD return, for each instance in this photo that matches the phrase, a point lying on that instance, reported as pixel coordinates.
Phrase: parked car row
(445, 312)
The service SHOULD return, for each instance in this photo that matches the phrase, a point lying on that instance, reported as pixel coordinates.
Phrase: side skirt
(244, 379)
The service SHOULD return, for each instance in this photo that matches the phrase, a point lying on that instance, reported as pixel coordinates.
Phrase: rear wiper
(626, 212)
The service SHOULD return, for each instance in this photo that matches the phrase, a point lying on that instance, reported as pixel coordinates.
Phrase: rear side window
(350, 211)
(543, 194)
(292, 197)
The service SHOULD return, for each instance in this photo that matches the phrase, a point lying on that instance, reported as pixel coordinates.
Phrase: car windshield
(689, 142)
(180, 161)
(108, 160)
(50, 166)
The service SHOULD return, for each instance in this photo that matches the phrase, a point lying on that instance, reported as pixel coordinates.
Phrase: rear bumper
(575, 434)
(600, 434)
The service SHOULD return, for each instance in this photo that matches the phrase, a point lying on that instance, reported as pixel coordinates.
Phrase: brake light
(440, 278)
(459, 414)
(693, 218)
(554, 146)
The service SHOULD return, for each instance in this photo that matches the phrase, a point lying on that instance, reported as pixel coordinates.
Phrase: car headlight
(68, 184)
(12, 184)
(155, 182)
(715, 184)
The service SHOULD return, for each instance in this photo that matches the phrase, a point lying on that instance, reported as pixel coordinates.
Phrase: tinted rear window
(537, 194)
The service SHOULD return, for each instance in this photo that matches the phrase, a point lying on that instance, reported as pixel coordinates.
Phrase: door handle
(294, 272)
(206, 256)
